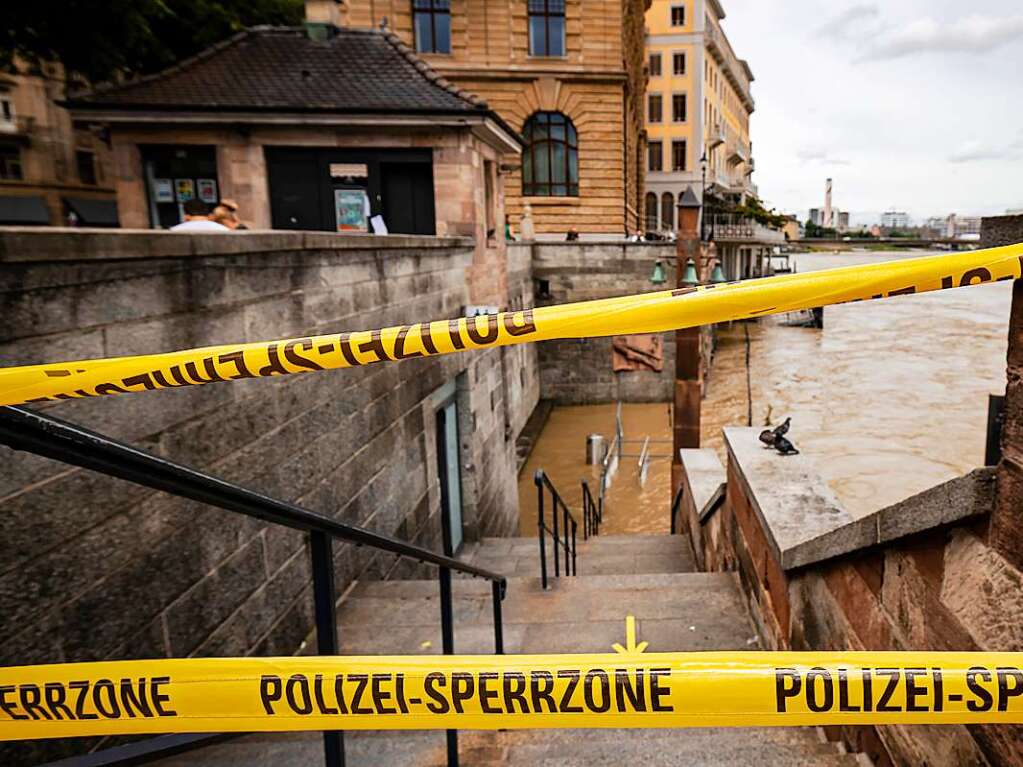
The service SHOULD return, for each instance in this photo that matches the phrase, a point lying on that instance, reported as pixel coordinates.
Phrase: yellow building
(698, 104)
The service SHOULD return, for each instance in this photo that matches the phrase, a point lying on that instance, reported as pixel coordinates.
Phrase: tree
(103, 39)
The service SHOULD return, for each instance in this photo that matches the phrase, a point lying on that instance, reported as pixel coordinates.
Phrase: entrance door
(407, 190)
(449, 475)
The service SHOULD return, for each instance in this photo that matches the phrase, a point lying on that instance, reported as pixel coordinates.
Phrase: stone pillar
(688, 358)
(1006, 531)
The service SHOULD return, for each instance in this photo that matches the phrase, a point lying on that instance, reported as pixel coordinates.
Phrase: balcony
(727, 227)
(715, 136)
(18, 127)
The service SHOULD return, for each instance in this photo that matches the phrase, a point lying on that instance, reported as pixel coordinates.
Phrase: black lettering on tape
(344, 341)
(142, 379)
(159, 698)
(399, 345)
(488, 336)
(604, 685)
(455, 333)
(427, 337)
(274, 366)
(31, 699)
(902, 291)
(658, 689)
(296, 690)
(236, 358)
(462, 689)
(82, 688)
(884, 704)
(375, 345)
(868, 689)
(626, 691)
(439, 704)
(109, 388)
(292, 356)
(812, 702)
(486, 694)
(787, 684)
(939, 689)
(380, 695)
(361, 680)
(399, 690)
(915, 690)
(8, 706)
(321, 704)
(270, 691)
(947, 282)
(843, 692)
(132, 702)
(984, 701)
(515, 329)
(975, 276)
(55, 695)
(566, 706)
(541, 685)
(162, 381)
(515, 693)
(104, 688)
(339, 694)
(1010, 685)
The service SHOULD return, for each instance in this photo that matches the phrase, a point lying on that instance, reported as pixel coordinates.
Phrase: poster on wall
(207, 190)
(350, 206)
(185, 189)
(163, 190)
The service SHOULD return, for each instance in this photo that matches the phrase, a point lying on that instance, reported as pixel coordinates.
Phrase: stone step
(675, 612)
(599, 555)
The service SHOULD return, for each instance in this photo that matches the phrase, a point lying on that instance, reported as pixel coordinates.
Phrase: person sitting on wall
(197, 219)
(226, 213)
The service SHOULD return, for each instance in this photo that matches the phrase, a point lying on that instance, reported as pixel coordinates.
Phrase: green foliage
(101, 39)
(813, 231)
(755, 209)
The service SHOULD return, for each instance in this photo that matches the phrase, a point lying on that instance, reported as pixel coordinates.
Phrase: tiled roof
(282, 69)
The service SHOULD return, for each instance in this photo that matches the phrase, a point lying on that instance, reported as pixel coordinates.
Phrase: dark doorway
(449, 471)
(176, 174)
(341, 190)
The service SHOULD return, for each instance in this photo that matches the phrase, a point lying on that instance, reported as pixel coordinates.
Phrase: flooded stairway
(649, 577)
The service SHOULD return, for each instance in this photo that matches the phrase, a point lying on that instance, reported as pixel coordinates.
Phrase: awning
(94, 212)
(24, 210)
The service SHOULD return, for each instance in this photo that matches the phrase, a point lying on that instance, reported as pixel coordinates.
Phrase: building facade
(266, 120)
(567, 74)
(50, 172)
(698, 104)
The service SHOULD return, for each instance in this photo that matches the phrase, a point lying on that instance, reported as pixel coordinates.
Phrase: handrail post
(575, 569)
(554, 533)
(538, 478)
(325, 610)
(447, 633)
(497, 591)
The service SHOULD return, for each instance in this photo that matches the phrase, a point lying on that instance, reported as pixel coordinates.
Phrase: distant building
(793, 228)
(843, 221)
(698, 103)
(894, 219)
(51, 172)
(815, 216)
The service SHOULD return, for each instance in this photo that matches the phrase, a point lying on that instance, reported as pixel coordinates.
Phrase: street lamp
(703, 191)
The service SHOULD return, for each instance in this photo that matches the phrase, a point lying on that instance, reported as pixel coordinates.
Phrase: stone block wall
(1001, 230)
(579, 371)
(94, 568)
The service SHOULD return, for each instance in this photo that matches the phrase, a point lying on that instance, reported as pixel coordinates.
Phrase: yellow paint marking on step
(631, 648)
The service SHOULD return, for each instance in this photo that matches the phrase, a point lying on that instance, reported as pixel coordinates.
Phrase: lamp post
(703, 191)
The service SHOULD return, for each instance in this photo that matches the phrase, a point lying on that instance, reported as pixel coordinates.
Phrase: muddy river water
(889, 398)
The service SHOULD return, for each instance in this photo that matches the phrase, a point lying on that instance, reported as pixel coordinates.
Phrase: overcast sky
(911, 104)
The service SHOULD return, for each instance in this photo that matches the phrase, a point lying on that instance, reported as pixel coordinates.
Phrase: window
(10, 163)
(655, 65)
(678, 107)
(678, 15)
(678, 155)
(86, 162)
(432, 23)
(678, 63)
(667, 211)
(490, 199)
(655, 156)
(653, 108)
(650, 210)
(6, 110)
(546, 27)
(550, 162)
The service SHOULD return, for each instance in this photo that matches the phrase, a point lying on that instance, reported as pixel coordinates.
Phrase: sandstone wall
(1001, 230)
(93, 568)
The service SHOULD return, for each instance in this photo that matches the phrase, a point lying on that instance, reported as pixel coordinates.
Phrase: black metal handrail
(565, 541)
(593, 512)
(60, 440)
(676, 504)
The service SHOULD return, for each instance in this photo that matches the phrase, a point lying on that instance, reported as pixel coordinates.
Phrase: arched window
(550, 161)
(667, 211)
(651, 212)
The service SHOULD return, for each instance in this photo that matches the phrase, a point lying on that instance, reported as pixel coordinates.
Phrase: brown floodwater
(890, 398)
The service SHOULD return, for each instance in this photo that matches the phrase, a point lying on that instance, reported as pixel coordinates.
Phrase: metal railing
(593, 512)
(50, 437)
(563, 537)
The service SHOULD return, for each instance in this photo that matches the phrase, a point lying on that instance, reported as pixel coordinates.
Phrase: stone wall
(578, 371)
(97, 568)
(1001, 230)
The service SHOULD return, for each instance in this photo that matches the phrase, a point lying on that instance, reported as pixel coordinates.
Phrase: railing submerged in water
(59, 440)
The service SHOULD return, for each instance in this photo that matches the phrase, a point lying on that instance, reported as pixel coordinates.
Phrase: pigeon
(776, 438)
(785, 447)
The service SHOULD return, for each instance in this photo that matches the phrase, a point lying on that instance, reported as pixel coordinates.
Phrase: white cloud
(850, 23)
(819, 155)
(974, 34)
(976, 151)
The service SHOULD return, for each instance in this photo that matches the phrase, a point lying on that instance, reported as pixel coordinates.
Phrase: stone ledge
(705, 477)
(805, 523)
(26, 244)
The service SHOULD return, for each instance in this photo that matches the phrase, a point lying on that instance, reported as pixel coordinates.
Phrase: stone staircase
(650, 577)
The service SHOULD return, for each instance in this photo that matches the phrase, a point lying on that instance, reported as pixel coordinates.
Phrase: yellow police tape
(509, 691)
(645, 313)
